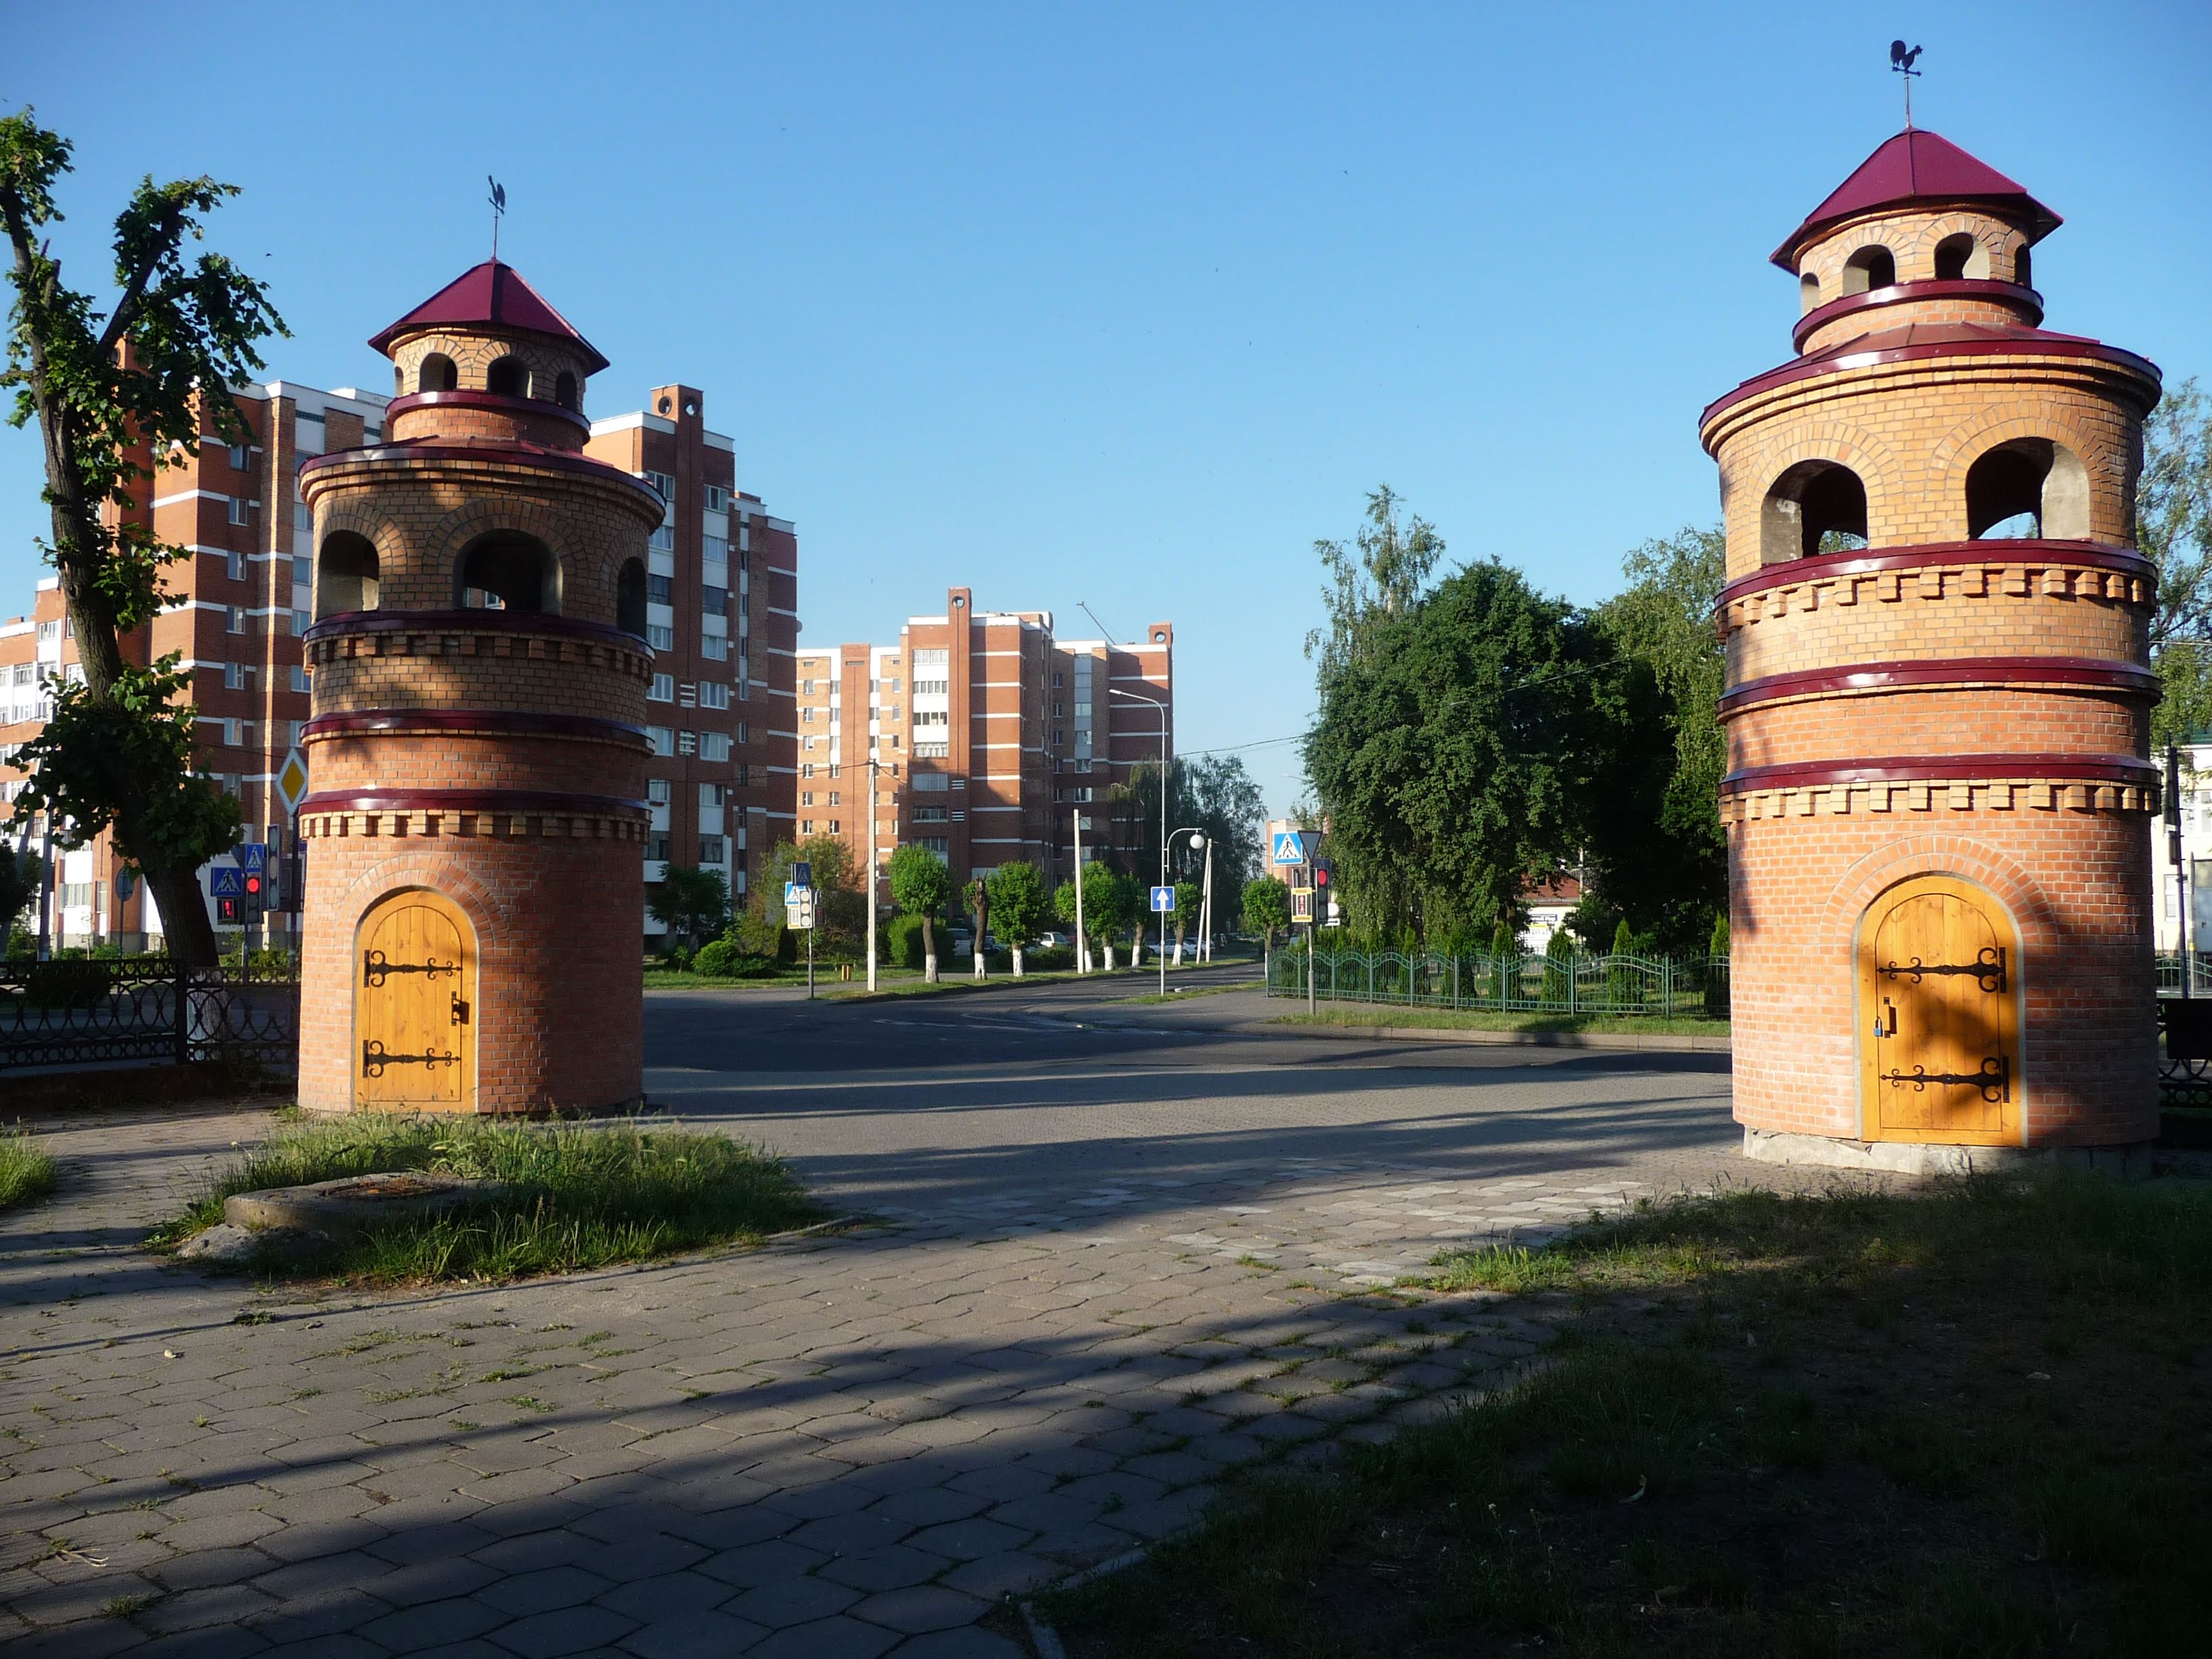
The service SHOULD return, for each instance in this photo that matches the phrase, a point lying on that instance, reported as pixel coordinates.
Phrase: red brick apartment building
(722, 592)
(990, 735)
(721, 616)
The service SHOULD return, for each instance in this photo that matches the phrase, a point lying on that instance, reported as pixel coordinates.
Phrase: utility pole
(869, 921)
(2173, 850)
(1082, 939)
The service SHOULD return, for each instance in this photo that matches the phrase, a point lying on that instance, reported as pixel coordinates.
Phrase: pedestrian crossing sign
(1290, 848)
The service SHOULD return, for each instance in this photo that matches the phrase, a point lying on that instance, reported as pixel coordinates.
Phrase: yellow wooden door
(415, 1007)
(1939, 990)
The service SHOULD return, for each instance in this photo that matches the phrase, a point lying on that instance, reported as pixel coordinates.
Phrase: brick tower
(475, 828)
(1938, 694)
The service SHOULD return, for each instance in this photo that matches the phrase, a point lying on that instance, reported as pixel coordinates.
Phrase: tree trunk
(1018, 962)
(186, 933)
(1108, 944)
(928, 952)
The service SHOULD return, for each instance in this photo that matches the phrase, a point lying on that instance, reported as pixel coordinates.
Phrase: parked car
(1054, 940)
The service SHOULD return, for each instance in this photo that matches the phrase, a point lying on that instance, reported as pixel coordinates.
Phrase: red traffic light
(252, 885)
(226, 909)
(1321, 875)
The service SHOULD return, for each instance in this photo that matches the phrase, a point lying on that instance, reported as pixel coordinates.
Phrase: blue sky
(1128, 305)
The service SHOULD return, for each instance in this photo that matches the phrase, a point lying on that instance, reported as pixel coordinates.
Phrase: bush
(677, 957)
(719, 958)
(903, 941)
(1048, 959)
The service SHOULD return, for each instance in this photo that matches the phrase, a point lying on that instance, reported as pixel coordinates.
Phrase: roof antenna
(499, 206)
(1900, 63)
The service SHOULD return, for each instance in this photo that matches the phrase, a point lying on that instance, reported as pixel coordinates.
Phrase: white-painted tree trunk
(1109, 956)
(1018, 962)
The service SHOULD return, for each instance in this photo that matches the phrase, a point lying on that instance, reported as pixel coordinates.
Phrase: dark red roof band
(473, 621)
(2041, 552)
(1920, 341)
(1918, 166)
(517, 454)
(2092, 674)
(1897, 293)
(1943, 768)
(514, 803)
(491, 400)
(494, 296)
(476, 722)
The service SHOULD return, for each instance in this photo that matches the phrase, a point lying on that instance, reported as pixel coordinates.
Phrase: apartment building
(721, 616)
(235, 608)
(989, 734)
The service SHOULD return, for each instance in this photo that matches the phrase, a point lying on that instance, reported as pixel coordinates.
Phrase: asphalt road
(911, 1101)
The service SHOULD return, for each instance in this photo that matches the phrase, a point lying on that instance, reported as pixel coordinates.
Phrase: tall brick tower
(1938, 693)
(479, 668)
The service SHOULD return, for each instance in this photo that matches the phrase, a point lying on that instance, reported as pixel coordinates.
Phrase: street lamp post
(1197, 842)
(1134, 697)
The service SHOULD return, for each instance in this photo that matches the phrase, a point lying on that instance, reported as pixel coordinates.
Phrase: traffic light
(225, 911)
(1321, 876)
(253, 895)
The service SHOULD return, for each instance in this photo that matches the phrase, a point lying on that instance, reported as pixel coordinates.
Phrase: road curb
(1657, 1041)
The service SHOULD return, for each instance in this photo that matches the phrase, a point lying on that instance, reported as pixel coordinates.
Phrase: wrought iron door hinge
(1994, 1079)
(1987, 969)
(374, 1060)
(375, 969)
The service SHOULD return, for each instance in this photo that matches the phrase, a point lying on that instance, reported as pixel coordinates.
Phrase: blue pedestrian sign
(1290, 848)
(253, 857)
(1163, 901)
(797, 893)
(229, 881)
(802, 874)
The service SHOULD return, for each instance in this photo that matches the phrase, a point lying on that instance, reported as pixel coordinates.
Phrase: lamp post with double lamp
(1197, 844)
(1136, 697)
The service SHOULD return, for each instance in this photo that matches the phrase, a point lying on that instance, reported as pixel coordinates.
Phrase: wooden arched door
(414, 999)
(1939, 999)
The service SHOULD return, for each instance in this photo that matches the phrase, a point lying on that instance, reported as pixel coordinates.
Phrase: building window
(235, 619)
(656, 792)
(1057, 680)
(712, 794)
(936, 844)
(656, 848)
(237, 566)
(629, 597)
(806, 796)
(665, 483)
(807, 770)
(806, 716)
(833, 793)
(928, 751)
(713, 694)
(687, 742)
(715, 601)
(806, 826)
(716, 648)
(438, 372)
(714, 745)
(745, 735)
(660, 590)
(238, 508)
(660, 638)
(929, 815)
(712, 850)
(663, 540)
(303, 571)
(234, 677)
(660, 740)
(301, 620)
(507, 378)
(564, 389)
(299, 677)
(663, 688)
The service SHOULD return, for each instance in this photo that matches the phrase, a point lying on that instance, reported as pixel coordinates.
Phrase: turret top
(1919, 169)
(492, 295)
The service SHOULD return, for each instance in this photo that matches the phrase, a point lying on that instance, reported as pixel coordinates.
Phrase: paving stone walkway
(837, 1445)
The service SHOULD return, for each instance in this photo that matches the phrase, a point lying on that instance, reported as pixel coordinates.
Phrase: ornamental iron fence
(97, 1011)
(1649, 986)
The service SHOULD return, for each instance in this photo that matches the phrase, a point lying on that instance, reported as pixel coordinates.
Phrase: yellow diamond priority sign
(292, 781)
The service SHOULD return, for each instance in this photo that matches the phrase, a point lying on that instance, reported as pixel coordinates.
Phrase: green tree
(1452, 753)
(19, 886)
(921, 886)
(1652, 845)
(690, 902)
(1018, 896)
(1213, 793)
(1108, 906)
(1189, 898)
(1267, 907)
(2173, 528)
(107, 388)
(1375, 578)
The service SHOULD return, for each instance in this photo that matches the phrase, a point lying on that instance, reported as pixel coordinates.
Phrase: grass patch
(1473, 1019)
(1961, 1421)
(26, 1168)
(577, 1196)
(1183, 994)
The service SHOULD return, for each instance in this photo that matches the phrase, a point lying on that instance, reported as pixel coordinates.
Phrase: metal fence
(2170, 965)
(106, 1012)
(1654, 986)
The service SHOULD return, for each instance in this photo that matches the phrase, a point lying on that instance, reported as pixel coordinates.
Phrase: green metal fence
(1658, 987)
(2169, 973)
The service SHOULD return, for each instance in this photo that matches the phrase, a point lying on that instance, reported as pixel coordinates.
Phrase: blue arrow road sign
(1164, 900)
(253, 857)
(229, 881)
(1289, 849)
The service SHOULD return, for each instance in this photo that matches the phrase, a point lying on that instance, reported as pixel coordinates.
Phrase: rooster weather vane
(1900, 63)
(499, 207)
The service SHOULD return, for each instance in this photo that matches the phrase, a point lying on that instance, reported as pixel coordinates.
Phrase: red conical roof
(492, 294)
(1918, 166)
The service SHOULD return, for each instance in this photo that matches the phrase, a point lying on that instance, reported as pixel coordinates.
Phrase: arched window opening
(508, 378)
(2023, 268)
(629, 597)
(345, 574)
(508, 571)
(2027, 488)
(399, 381)
(438, 373)
(1816, 507)
(1870, 268)
(1808, 292)
(564, 390)
(1961, 255)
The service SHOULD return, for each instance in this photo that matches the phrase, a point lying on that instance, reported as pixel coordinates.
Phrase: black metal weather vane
(1900, 63)
(498, 210)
